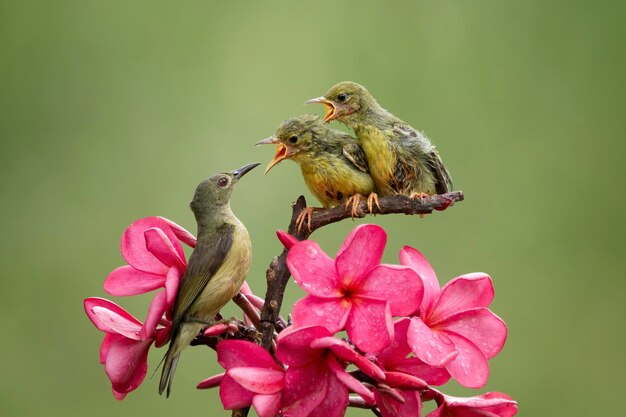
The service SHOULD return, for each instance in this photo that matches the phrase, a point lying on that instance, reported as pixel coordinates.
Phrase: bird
(401, 159)
(332, 162)
(216, 269)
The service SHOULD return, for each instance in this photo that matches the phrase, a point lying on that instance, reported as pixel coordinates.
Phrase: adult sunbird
(332, 162)
(216, 268)
(401, 159)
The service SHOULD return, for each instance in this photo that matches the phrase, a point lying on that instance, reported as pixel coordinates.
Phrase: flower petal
(216, 329)
(306, 388)
(360, 253)
(134, 248)
(127, 363)
(349, 381)
(294, 345)
(314, 311)
(258, 380)
(155, 313)
(369, 325)
(470, 367)
(172, 282)
(399, 348)
(433, 375)
(313, 270)
(111, 318)
(181, 233)
(414, 259)
(345, 352)
(389, 407)
(286, 239)
(211, 382)
(431, 347)
(233, 395)
(481, 327)
(162, 248)
(241, 353)
(462, 293)
(399, 285)
(127, 280)
(489, 404)
(406, 381)
(266, 405)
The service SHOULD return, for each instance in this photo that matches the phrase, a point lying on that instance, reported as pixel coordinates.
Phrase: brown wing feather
(443, 182)
(355, 154)
(204, 262)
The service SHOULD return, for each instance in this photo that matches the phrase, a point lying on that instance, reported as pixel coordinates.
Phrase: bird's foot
(305, 216)
(353, 203)
(421, 197)
(371, 200)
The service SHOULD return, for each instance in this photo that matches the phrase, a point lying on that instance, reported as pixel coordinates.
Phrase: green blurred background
(112, 111)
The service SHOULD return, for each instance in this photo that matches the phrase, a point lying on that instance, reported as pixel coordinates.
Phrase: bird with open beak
(332, 163)
(401, 159)
(216, 268)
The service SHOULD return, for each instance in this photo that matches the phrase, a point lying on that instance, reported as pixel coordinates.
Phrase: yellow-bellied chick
(332, 162)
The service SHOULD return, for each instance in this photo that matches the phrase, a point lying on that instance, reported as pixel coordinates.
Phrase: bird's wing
(443, 182)
(204, 262)
(412, 138)
(355, 154)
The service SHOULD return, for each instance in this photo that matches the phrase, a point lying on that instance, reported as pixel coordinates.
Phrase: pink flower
(353, 292)
(316, 382)
(124, 350)
(454, 328)
(155, 259)
(252, 378)
(492, 404)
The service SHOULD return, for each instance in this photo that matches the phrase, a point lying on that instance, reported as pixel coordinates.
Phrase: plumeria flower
(406, 375)
(354, 291)
(155, 257)
(316, 382)
(455, 329)
(252, 378)
(492, 404)
(124, 350)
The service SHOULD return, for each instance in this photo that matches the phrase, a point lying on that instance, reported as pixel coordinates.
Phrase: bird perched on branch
(401, 159)
(216, 268)
(332, 162)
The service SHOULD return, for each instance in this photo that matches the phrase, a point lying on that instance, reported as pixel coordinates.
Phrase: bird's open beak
(331, 108)
(282, 153)
(240, 172)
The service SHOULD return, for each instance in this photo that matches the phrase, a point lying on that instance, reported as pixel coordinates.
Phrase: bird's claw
(353, 203)
(371, 200)
(305, 216)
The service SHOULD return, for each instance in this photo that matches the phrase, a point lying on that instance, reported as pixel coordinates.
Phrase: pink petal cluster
(155, 257)
(353, 292)
(454, 328)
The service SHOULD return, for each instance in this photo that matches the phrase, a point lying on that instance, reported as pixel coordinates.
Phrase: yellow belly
(380, 158)
(334, 183)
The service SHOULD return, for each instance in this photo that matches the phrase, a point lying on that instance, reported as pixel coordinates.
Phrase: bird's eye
(293, 139)
(222, 182)
(341, 97)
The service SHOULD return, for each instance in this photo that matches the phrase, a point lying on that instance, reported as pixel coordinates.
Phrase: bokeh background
(112, 111)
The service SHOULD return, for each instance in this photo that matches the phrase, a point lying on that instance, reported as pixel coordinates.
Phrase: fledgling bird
(216, 268)
(332, 162)
(401, 159)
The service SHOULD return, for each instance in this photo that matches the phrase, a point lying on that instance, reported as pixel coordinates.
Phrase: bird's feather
(354, 153)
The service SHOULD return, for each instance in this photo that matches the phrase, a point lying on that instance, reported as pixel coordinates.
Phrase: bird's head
(344, 101)
(215, 191)
(294, 137)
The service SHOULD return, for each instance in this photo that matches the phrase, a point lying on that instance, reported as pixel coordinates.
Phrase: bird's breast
(380, 155)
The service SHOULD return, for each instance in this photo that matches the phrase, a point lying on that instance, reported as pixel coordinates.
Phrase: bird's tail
(169, 367)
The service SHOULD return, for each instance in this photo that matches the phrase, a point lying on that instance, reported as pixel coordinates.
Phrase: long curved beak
(330, 107)
(282, 153)
(240, 172)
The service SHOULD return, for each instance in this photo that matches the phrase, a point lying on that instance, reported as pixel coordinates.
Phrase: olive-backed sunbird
(401, 159)
(216, 268)
(332, 162)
